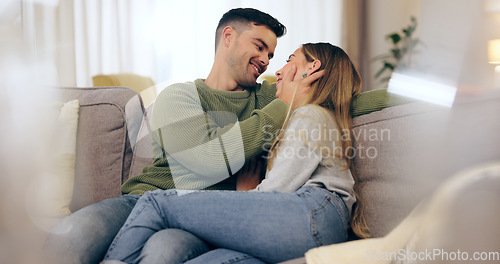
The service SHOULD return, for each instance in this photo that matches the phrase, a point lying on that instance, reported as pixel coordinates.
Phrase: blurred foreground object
(458, 223)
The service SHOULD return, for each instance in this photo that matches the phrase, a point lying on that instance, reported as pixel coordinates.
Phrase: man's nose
(264, 60)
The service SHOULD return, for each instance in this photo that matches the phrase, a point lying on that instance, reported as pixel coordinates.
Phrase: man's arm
(210, 145)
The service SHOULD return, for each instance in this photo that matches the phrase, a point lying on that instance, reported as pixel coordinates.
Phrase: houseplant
(403, 45)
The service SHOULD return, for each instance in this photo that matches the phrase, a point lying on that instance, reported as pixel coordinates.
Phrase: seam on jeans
(120, 233)
(343, 217)
(339, 202)
(237, 259)
(314, 212)
(303, 190)
(154, 202)
(314, 232)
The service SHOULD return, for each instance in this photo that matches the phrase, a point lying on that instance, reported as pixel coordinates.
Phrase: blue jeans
(84, 236)
(268, 226)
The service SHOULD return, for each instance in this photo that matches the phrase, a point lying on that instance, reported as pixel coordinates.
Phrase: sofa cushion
(393, 160)
(143, 147)
(103, 152)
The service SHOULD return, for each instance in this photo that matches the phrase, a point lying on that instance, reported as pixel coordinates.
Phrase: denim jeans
(268, 226)
(224, 256)
(84, 236)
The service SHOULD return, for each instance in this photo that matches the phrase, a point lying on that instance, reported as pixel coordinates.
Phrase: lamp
(494, 58)
(494, 51)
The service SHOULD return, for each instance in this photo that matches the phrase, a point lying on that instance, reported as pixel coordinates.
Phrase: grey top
(306, 156)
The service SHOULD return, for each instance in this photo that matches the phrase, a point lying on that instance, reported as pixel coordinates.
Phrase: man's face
(250, 54)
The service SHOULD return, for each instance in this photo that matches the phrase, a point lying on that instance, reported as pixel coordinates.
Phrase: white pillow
(52, 192)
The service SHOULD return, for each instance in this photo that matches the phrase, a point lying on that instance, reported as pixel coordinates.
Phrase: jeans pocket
(329, 221)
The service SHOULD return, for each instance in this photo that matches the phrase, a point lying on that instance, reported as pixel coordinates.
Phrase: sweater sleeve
(261, 128)
(297, 159)
(208, 145)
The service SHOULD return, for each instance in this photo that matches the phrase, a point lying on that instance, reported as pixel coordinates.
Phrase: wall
(384, 17)
(455, 34)
(456, 52)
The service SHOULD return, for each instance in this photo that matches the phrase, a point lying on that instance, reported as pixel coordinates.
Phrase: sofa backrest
(406, 151)
(109, 119)
(393, 148)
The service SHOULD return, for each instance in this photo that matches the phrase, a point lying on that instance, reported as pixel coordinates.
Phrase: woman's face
(299, 60)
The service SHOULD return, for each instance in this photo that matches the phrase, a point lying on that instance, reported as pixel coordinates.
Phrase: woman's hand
(288, 85)
(249, 175)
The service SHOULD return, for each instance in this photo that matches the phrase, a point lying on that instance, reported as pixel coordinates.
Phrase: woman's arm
(298, 157)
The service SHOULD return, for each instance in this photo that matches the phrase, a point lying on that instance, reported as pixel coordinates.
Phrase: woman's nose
(278, 73)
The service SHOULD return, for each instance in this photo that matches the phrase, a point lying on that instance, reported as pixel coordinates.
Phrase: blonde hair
(334, 92)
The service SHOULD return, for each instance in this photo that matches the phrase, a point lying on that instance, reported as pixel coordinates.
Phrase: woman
(307, 196)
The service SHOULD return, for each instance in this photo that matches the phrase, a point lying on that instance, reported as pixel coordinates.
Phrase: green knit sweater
(201, 136)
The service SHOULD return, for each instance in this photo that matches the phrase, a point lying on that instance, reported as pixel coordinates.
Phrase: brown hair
(241, 18)
(334, 92)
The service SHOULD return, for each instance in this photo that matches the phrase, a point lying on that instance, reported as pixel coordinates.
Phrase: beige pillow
(65, 158)
(53, 190)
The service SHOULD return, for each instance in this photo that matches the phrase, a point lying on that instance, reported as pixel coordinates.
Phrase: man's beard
(244, 77)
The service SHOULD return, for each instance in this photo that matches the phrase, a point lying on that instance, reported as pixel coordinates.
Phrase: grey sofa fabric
(427, 145)
(103, 152)
(143, 147)
(393, 162)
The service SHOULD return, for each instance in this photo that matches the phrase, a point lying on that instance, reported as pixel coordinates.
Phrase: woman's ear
(313, 67)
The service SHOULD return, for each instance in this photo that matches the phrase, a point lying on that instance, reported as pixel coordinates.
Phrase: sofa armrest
(109, 120)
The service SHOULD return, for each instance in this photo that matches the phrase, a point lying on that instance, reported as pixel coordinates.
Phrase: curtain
(170, 41)
(354, 35)
(78, 39)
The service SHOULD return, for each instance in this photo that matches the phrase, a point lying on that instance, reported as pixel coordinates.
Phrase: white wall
(455, 34)
(385, 17)
(456, 52)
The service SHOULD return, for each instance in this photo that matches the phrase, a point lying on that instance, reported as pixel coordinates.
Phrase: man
(204, 131)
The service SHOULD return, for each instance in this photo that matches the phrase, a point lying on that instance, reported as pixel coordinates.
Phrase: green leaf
(380, 72)
(381, 57)
(395, 37)
(389, 65)
(396, 53)
(404, 44)
(407, 32)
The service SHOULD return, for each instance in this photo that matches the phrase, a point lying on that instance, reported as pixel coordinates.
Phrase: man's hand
(288, 85)
(249, 175)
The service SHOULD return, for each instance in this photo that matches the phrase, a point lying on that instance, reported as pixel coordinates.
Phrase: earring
(304, 75)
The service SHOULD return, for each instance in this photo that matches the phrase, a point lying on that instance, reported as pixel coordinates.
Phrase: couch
(403, 148)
